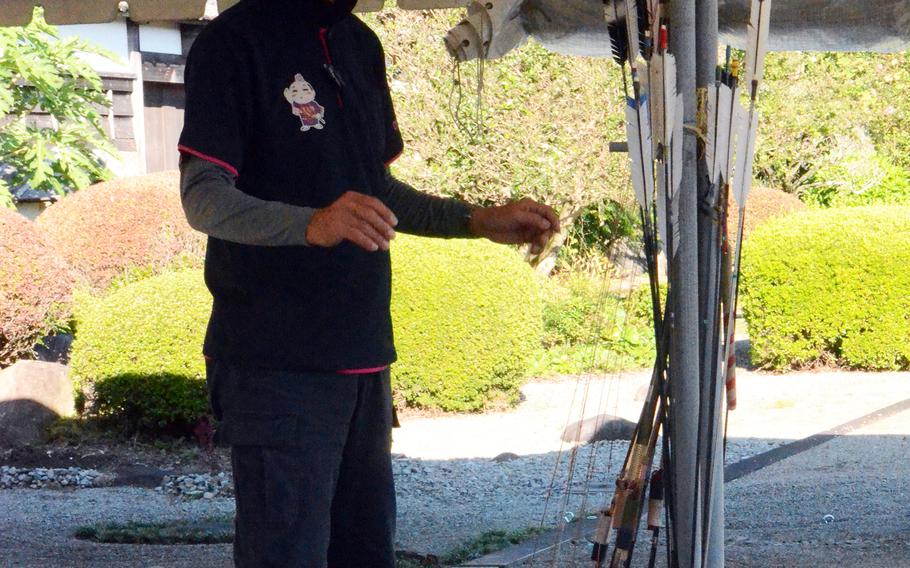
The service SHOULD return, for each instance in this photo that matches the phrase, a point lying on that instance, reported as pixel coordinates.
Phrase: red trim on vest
(324, 40)
(363, 371)
(393, 158)
(207, 158)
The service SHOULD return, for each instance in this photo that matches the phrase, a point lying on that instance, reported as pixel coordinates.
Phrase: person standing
(289, 133)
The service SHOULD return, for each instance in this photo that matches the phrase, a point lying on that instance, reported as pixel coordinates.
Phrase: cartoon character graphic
(302, 97)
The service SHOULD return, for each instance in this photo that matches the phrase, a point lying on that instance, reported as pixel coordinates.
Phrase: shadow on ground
(775, 516)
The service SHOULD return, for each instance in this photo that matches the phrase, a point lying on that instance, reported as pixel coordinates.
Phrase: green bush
(467, 319)
(541, 111)
(867, 97)
(830, 286)
(466, 314)
(865, 178)
(589, 328)
(137, 354)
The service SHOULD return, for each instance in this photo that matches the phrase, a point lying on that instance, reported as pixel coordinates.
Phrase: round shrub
(111, 229)
(35, 287)
(764, 204)
(137, 357)
(467, 318)
(830, 286)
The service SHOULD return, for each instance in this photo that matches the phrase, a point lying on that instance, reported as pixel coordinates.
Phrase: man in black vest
(288, 137)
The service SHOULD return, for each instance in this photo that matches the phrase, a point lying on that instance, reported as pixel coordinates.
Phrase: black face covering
(327, 13)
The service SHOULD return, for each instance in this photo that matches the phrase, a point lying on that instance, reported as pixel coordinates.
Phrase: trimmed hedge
(137, 357)
(35, 287)
(830, 286)
(467, 318)
(764, 204)
(111, 229)
(588, 328)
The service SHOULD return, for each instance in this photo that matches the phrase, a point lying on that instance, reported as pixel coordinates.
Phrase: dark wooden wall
(164, 104)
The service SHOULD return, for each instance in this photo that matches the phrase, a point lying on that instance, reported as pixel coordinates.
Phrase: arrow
(745, 156)
(639, 132)
(759, 17)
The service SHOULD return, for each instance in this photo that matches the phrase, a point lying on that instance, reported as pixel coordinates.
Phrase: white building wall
(161, 39)
(112, 37)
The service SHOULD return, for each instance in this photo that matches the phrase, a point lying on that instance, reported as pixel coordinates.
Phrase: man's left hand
(522, 222)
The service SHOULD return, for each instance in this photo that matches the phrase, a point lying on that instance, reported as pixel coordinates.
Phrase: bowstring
(585, 378)
(607, 385)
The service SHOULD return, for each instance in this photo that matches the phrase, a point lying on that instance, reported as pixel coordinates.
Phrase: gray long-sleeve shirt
(214, 206)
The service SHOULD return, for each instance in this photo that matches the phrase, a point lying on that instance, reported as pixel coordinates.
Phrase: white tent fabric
(19, 12)
(577, 27)
(567, 26)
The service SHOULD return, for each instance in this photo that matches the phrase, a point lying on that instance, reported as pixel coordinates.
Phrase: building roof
(25, 193)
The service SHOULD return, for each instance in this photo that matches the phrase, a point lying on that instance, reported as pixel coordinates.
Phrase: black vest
(291, 96)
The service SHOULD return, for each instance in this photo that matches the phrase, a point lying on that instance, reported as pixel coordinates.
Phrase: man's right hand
(355, 217)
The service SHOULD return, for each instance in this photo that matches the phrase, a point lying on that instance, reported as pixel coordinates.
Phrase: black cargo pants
(311, 456)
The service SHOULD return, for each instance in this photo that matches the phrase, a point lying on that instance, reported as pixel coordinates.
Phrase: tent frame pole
(709, 230)
(684, 342)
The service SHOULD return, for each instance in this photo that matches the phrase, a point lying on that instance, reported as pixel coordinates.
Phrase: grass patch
(487, 543)
(209, 531)
(588, 328)
(221, 531)
(586, 358)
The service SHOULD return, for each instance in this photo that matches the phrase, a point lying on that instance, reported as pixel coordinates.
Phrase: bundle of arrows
(641, 33)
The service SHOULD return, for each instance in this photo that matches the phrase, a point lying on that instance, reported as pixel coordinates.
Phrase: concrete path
(771, 407)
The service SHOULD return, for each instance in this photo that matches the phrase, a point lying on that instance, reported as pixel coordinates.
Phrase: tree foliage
(835, 127)
(39, 71)
(547, 119)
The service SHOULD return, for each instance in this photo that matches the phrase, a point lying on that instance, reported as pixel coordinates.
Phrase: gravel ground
(53, 478)
(452, 489)
(844, 503)
(441, 504)
(198, 486)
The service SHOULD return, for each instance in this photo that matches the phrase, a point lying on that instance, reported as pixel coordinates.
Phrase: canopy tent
(573, 27)
(60, 12)
(577, 27)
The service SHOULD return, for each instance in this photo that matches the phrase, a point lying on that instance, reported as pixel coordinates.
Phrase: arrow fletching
(745, 155)
(759, 18)
(638, 130)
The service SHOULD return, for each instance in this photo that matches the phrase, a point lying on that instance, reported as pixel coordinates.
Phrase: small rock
(504, 457)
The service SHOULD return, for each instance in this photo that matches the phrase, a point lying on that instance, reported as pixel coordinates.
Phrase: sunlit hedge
(467, 318)
(830, 286)
(466, 313)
